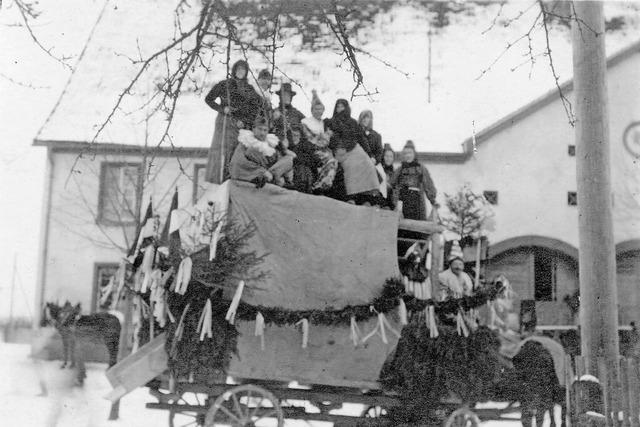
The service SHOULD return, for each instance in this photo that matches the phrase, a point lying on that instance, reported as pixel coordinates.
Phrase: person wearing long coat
(373, 140)
(237, 109)
(286, 116)
(411, 183)
(346, 139)
(257, 158)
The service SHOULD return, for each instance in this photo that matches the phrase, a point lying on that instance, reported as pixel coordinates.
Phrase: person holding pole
(238, 107)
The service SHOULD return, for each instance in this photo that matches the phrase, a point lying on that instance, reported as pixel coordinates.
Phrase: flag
(141, 235)
(170, 236)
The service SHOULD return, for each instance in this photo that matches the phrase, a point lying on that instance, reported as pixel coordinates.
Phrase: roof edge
(544, 100)
(112, 147)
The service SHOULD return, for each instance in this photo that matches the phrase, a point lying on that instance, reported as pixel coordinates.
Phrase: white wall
(76, 243)
(528, 164)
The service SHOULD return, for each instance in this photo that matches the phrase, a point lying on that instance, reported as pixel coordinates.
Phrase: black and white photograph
(269, 213)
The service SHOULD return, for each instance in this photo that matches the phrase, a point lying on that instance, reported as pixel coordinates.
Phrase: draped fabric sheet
(321, 253)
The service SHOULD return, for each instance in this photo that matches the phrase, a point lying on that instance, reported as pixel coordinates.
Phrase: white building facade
(524, 163)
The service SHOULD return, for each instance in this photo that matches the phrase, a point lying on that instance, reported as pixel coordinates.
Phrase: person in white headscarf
(454, 282)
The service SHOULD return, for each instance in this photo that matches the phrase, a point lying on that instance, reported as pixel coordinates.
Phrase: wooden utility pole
(598, 293)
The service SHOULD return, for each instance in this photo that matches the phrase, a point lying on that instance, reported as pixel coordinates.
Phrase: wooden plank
(330, 357)
(606, 392)
(580, 366)
(138, 368)
(568, 381)
(634, 391)
(626, 402)
(427, 227)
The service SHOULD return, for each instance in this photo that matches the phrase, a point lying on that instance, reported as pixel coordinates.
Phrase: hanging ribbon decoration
(204, 325)
(355, 331)
(431, 321)
(461, 327)
(147, 267)
(380, 328)
(305, 331)
(233, 308)
(179, 331)
(183, 277)
(259, 331)
(402, 312)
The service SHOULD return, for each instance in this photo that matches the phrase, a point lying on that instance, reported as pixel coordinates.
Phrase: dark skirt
(413, 204)
(413, 207)
(222, 148)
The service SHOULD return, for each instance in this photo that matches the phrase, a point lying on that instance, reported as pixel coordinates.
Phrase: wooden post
(123, 347)
(598, 293)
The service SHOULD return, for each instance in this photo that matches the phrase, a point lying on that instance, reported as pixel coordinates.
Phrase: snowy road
(69, 406)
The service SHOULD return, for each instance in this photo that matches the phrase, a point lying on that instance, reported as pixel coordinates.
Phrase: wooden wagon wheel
(186, 418)
(462, 417)
(244, 406)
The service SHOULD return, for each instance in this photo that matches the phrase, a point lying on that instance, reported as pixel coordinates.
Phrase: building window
(544, 272)
(103, 287)
(572, 150)
(199, 181)
(118, 203)
(572, 198)
(491, 197)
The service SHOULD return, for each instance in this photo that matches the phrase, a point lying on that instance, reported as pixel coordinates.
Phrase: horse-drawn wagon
(301, 323)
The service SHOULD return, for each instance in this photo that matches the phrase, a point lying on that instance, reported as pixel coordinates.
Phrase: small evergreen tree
(467, 214)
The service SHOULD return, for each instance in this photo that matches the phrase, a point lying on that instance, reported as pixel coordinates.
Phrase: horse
(533, 382)
(75, 328)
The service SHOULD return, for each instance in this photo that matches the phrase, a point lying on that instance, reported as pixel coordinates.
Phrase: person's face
(408, 155)
(260, 132)
(286, 98)
(366, 121)
(340, 107)
(295, 136)
(457, 267)
(264, 83)
(388, 158)
(317, 111)
(241, 72)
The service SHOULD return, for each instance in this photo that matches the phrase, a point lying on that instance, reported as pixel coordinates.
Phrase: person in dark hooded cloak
(361, 184)
(237, 109)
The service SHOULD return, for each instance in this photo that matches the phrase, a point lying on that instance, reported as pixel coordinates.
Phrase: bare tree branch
(28, 12)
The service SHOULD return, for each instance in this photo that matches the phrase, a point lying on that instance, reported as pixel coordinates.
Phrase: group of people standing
(336, 156)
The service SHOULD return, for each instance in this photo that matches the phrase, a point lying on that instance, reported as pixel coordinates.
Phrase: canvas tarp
(321, 253)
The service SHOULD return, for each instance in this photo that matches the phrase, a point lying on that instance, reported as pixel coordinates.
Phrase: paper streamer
(204, 325)
(259, 331)
(183, 277)
(433, 327)
(305, 331)
(355, 332)
(402, 312)
(231, 313)
(213, 245)
(461, 327)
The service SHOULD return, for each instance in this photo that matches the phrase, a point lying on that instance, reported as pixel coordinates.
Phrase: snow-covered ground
(68, 406)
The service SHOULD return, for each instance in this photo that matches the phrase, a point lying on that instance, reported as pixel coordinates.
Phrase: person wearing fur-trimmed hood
(238, 106)
(258, 158)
